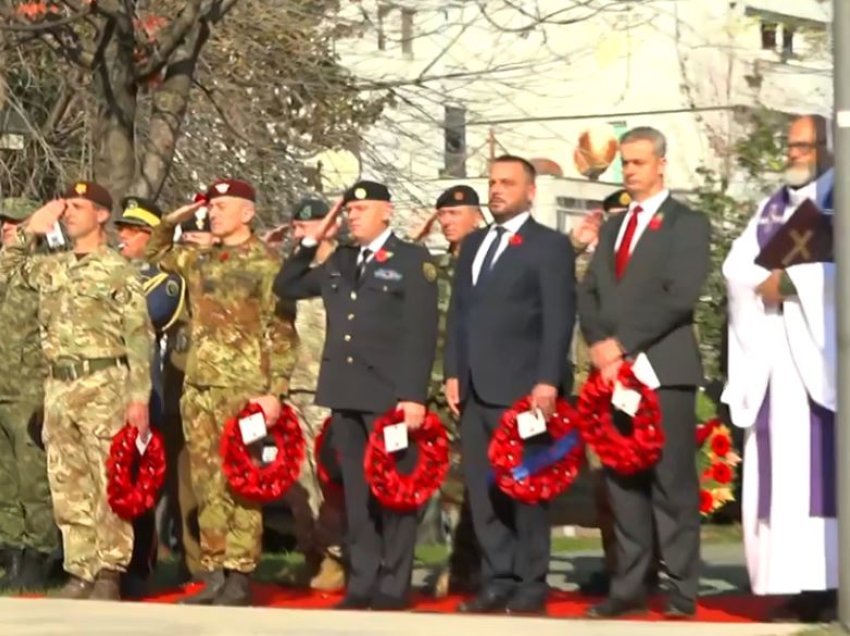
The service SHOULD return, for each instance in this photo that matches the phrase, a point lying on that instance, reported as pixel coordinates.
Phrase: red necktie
(624, 251)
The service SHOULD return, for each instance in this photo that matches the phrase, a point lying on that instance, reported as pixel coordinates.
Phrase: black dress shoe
(527, 605)
(384, 603)
(353, 603)
(615, 608)
(488, 601)
(598, 584)
(679, 607)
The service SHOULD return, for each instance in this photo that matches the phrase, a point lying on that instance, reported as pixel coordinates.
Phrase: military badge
(625, 199)
(222, 188)
(360, 193)
(388, 274)
(429, 271)
(172, 288)
(305, 212)
(458, 195)
(80, 188)
(132, 204)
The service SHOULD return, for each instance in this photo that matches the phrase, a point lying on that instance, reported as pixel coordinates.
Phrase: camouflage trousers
(26, 512)
(81, 418)
(319, 519)
(231, 529)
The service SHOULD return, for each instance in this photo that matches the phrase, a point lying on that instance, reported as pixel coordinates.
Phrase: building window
(454, 135)
(787, 41)
(768, 35)
(407, 31)
(383, 12)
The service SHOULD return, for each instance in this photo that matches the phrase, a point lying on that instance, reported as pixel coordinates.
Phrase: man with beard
(781, 389)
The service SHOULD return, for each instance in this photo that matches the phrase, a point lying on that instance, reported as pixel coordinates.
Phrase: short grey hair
(647, 133)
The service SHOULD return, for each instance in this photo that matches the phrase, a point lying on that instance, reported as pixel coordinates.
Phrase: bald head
(809, 154)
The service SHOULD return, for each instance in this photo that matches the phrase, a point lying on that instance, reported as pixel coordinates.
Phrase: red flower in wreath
(705, 429)
(624, 454)
(721, 473)
(270, 481)
(506, 456)
(325, 477)
(515, 240)
(407, 492)
(706, 501)
(129, 497)
(721, 445)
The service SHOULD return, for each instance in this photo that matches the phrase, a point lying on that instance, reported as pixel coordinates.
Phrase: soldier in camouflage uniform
(322, 547)
(26, 512)
(458, 212)
(97, 340)
(242, 348)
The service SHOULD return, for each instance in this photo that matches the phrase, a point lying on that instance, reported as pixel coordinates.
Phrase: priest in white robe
(781, 390)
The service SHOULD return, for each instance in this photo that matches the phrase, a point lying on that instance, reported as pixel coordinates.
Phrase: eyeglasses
(804, 146)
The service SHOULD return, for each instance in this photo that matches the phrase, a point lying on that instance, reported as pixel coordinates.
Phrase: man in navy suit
(509, 328)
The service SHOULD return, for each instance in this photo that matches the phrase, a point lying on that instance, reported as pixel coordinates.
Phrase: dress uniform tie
(490, 256)
(362, 263)
(621, 260)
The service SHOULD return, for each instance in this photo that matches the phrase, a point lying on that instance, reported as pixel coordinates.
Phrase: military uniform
(97, 339)
(241, 346)
(382, 320)
(26, 513)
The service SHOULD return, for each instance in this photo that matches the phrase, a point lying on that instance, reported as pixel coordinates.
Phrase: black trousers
(380, 542)
(514, 537)
(669, 493)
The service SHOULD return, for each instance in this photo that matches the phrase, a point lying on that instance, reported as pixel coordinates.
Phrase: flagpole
(841, 78)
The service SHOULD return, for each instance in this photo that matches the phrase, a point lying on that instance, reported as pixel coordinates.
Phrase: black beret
(458, 195)
(90, 191)
(618, 200)
(366, 191)
(310, 209)
(139, 211)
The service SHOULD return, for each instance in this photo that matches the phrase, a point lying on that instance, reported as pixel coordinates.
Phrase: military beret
(139, 211)
(366, 191)
(200, 222)
(310, 209)
(91, 192)
(231, 188)
(618, 200)
(17, 209)
(457, 195)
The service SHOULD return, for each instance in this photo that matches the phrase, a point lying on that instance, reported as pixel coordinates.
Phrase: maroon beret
(90, 191)
(231, 188)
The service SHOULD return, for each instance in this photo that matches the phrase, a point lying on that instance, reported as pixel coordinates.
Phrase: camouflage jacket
(445, 273)
(239, 334)
(89, 307)
(23, 367)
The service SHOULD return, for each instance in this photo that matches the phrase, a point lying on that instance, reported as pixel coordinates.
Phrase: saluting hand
(425, 229)
(414, 414)
(186, 212)
(43, 219)
(327, 227)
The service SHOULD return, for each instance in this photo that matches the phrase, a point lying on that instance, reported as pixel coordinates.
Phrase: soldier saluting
(381, 301)
(97, 340)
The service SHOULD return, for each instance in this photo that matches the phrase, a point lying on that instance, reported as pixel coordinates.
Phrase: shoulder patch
(172, 288)
(429, 270)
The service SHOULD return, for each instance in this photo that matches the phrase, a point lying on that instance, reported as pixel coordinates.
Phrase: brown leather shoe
(107, 586)
(330, 576)
(76, 588)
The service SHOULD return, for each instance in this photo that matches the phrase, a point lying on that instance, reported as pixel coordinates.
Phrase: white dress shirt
(374, 247)
(648, 210)
(511, 228)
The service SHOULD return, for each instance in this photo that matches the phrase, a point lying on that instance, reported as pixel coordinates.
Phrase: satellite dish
(338, 169)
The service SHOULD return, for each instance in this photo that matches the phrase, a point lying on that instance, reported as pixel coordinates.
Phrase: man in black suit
(510, 324)
(638, 297)
(380, 296)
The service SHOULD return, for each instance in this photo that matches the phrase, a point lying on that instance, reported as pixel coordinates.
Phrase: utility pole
(841, 77)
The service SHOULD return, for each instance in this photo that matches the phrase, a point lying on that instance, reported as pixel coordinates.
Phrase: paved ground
(47, 617)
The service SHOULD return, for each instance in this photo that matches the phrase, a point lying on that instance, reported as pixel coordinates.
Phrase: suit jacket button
(354, 295)
(349, 360)
(351, 316)
(348, 337)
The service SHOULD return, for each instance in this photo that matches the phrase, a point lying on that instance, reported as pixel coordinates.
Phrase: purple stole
(822, 496)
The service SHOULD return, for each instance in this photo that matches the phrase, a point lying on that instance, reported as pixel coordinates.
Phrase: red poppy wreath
(407, 492)
(268, 481)
(624, 454)
(546, 474)
(133, 478)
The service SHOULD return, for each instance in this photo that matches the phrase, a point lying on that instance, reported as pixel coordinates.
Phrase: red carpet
(714, 609)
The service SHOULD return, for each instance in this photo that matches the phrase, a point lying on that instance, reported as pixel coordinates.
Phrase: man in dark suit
(638, 297)
(509, 329)
(381, 301)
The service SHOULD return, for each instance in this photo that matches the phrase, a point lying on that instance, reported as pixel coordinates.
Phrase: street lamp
(13, 128)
